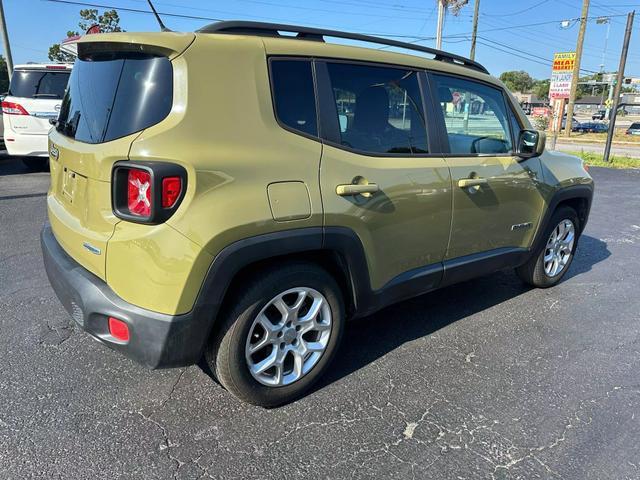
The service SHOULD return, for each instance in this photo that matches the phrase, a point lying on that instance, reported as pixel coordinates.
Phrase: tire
(240, 330)
(533, 272)
(36, 164)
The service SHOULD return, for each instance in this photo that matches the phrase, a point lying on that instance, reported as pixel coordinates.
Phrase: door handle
(472, 182)
(357, 189)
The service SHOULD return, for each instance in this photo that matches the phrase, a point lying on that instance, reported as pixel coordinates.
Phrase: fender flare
(242, 253)
(584, 192)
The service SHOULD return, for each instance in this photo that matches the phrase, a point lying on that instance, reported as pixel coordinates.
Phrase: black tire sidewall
(245, 313)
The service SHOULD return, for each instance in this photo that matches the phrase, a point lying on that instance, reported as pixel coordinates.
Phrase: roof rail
(318, 34)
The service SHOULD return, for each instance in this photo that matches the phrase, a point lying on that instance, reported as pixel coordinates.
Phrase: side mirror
(531, 143)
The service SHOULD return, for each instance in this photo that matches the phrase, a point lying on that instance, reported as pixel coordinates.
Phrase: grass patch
(617, 161)
(602, 137)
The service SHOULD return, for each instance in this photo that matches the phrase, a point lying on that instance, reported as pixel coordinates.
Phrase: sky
(512, 34)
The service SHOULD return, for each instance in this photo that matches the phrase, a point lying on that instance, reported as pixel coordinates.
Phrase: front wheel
(550, 263)
(278, 335)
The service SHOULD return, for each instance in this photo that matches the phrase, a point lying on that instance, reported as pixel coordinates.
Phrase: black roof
(318, 34)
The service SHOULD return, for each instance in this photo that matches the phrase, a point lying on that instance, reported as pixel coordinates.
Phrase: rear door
(496, 197)
(39, 92)
(378, 176)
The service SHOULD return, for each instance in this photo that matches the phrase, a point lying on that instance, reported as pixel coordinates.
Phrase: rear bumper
(32, 145)
(156, 340)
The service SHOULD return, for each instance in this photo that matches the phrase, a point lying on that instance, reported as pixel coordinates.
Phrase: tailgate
(79, 203)
(120, 85)
(37, 122)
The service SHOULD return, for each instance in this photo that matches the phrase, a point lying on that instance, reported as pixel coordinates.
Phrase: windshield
(111, 96)
(38, 84)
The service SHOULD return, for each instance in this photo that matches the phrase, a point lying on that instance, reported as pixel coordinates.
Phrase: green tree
(541, 88)
(518, 81)
(109, 21)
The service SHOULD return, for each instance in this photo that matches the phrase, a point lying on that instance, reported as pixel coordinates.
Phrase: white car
(34, 97)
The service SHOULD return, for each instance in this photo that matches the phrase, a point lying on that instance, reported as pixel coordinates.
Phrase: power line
(516, 13)
(134, 10)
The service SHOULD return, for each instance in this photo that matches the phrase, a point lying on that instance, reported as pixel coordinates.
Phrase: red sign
(541, 111)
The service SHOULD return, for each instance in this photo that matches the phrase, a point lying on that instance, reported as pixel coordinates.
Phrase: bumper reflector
(118, 329)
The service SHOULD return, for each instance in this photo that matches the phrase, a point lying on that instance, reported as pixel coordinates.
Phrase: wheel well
(580, 205)
(331, 261)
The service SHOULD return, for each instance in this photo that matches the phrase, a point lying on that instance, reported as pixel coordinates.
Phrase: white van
(34, 97)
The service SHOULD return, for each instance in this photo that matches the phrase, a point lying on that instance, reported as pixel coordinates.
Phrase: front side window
(294, 95)
(38, 84)
(379, 109)
(110, 96)
(475, 116)
(515, 125)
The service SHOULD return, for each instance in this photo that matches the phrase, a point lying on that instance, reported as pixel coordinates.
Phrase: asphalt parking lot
(487, 379)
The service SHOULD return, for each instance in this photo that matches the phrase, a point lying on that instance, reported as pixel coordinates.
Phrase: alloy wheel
(288, 337)
(559, 248)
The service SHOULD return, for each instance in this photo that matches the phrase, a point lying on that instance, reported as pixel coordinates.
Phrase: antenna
(163, 28)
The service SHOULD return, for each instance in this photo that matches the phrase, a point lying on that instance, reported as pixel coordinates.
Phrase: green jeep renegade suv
(239, 192)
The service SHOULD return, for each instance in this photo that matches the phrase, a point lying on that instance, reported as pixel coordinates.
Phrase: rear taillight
(11, 108)
(139, 192)
(171, 190)
(147, 192)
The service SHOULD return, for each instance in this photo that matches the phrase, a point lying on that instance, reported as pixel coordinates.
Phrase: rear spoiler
(70, 45)
(169, 44)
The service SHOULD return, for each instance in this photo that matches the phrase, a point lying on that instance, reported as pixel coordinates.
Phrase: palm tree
(454, 6)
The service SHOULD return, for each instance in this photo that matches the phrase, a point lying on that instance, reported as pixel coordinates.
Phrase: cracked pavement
(487, 379)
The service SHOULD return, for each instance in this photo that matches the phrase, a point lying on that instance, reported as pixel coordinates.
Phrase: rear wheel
(278, 335)
(550, 263)
(36, 164)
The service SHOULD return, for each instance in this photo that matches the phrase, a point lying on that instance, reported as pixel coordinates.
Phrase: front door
(377, 175)
(496, 199)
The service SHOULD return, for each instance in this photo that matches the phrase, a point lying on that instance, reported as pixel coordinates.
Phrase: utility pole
(441, 12)
(5, 40)
(576, 67)
(474, 32)
(618, 87)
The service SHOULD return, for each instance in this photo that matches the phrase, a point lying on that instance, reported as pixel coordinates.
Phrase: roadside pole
(618, 86)
(576, 67)
(474, 33)
(5, 40)
(556, 120)
(607, 114)
(441, 12)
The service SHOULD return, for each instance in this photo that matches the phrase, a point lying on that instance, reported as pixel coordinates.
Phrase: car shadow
(420, 317)
(13, 166)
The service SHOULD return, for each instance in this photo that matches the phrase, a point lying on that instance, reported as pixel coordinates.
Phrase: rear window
(111, 96)
(293, 94)
(635, 126)
(38, 84)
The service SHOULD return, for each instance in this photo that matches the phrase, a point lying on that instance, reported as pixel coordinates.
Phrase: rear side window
(294, 95)
(38, 84)
(379, 109)
(113, 96)
(475, 116)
